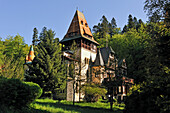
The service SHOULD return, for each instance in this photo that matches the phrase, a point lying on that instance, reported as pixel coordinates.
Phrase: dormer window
(81, 22)
(86, 25)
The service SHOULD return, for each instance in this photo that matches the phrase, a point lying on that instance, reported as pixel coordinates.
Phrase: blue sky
(21, 16)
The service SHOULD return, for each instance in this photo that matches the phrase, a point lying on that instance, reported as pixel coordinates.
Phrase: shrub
(14, 92)
(148, 98)
(93, 92)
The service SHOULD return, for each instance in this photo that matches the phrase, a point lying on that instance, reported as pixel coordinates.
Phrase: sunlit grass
(55, 106)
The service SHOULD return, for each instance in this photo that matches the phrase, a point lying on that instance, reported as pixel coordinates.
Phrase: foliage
(35, 37)
(47, 69)
(158, 10)
(106, 28)
(12, 57)
(74, 69)
(132, 23)
(17, 93)
(153, 95)
(7, 109)
(149, 97)
(93, 92)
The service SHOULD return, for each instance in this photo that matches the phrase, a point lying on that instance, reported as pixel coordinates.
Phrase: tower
(80, 32)
(30, 56)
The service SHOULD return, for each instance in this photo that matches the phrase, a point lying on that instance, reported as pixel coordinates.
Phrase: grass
(54, 106)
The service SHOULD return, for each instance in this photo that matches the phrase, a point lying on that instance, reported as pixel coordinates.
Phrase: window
(86, 61)
(86, 25)
(82, 22)
(93, 70)
(123, 88)
(119, 89)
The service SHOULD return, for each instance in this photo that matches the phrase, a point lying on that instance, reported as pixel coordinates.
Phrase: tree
(75, 69)
(131, 23)
(13, 54)
(102, 28)
(139, 23)
(112, 27)
(158, 10)
(125, 29)
(113, 23)
(35, 37)
(153, 94)
(93, 92)
(47, 68)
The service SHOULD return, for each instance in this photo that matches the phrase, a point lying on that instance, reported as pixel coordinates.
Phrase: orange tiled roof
(30, 56)
(78, 28)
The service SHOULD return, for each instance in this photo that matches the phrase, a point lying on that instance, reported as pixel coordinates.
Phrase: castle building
(91, 64)
(95, 64)
(79, 32)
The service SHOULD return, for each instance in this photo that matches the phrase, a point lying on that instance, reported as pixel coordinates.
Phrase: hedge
(14, 92)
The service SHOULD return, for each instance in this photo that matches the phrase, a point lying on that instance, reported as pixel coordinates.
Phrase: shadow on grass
(33, 110)
(77, 108)
(8, 109)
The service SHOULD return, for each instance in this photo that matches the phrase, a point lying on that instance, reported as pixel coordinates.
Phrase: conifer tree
(130, 22)
(125, 29)
(113, 23)
(112, 27)
(47, 69)
(35, 37)
(104, 26)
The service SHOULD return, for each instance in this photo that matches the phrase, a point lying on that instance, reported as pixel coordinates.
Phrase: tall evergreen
(135, 21)
(139, 23)
(35, 37)
(104, 26)
(125, 29)
(47, 69)
(112, 27)
(113, 23)
(130, 22)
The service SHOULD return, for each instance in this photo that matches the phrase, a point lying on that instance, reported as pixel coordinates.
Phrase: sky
(22, 16)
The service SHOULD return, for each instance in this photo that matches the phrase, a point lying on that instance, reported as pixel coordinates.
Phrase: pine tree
(139, 23)
(125, 29)
(135, 21)
(112, 27)
(47, 69)
(104, 26)
(35, 37)
(113, 23)
(130, 22)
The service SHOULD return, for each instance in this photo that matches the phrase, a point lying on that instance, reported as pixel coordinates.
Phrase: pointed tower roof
(78, 29)
(99, 59)
(105, 52)
(30, 56)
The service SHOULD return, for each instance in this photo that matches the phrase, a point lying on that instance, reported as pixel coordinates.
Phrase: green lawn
(54, 106)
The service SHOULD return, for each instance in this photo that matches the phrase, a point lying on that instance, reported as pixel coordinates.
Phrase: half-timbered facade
(96, 64)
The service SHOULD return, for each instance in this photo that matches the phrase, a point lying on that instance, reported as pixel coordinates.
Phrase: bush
(93, 92)
(148, 98)
(14, 92)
